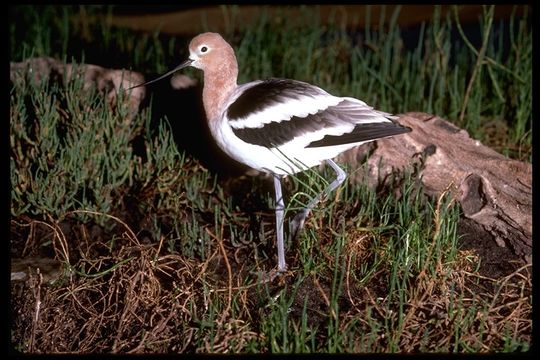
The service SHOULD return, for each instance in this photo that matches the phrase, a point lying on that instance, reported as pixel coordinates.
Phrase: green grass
(477, 88)
(158, 259)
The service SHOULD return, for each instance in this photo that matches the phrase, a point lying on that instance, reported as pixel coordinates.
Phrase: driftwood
(107, 80)
(494, 191)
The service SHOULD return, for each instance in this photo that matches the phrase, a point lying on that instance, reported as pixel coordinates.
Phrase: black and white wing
(275, 112)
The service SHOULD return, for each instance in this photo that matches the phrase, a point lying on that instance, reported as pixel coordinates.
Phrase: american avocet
(280, 126)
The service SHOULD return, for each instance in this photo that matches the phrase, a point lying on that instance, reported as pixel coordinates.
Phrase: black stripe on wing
(279, 133)
(268, 93)
(362, 132)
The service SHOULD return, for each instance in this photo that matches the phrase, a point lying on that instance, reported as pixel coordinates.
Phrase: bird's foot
(269, 276)
(298, 223)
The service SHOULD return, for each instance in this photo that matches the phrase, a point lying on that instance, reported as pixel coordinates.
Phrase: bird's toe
(298, 223)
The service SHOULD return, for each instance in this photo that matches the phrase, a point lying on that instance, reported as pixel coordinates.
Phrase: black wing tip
(362, 133)
(393, 119)
(406, 129)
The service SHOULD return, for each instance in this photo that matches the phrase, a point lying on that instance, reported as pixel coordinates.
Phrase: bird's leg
(298, 222)
(280, 208)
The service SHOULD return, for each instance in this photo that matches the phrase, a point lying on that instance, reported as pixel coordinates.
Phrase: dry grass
(138, 298)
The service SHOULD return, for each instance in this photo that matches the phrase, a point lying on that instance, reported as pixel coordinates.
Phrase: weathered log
(107, 80)
(493, 190)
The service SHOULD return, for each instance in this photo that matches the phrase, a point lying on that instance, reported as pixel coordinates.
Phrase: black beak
(181, 66)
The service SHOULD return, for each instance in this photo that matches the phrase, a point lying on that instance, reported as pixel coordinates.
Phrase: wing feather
(274, 112)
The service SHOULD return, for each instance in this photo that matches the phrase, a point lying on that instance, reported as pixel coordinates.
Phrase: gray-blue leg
(298, 222)
(280, 208)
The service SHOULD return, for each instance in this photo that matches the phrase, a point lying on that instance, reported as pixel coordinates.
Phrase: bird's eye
(204, 49)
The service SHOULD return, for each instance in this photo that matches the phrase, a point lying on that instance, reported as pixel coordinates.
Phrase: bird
(280, 126)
